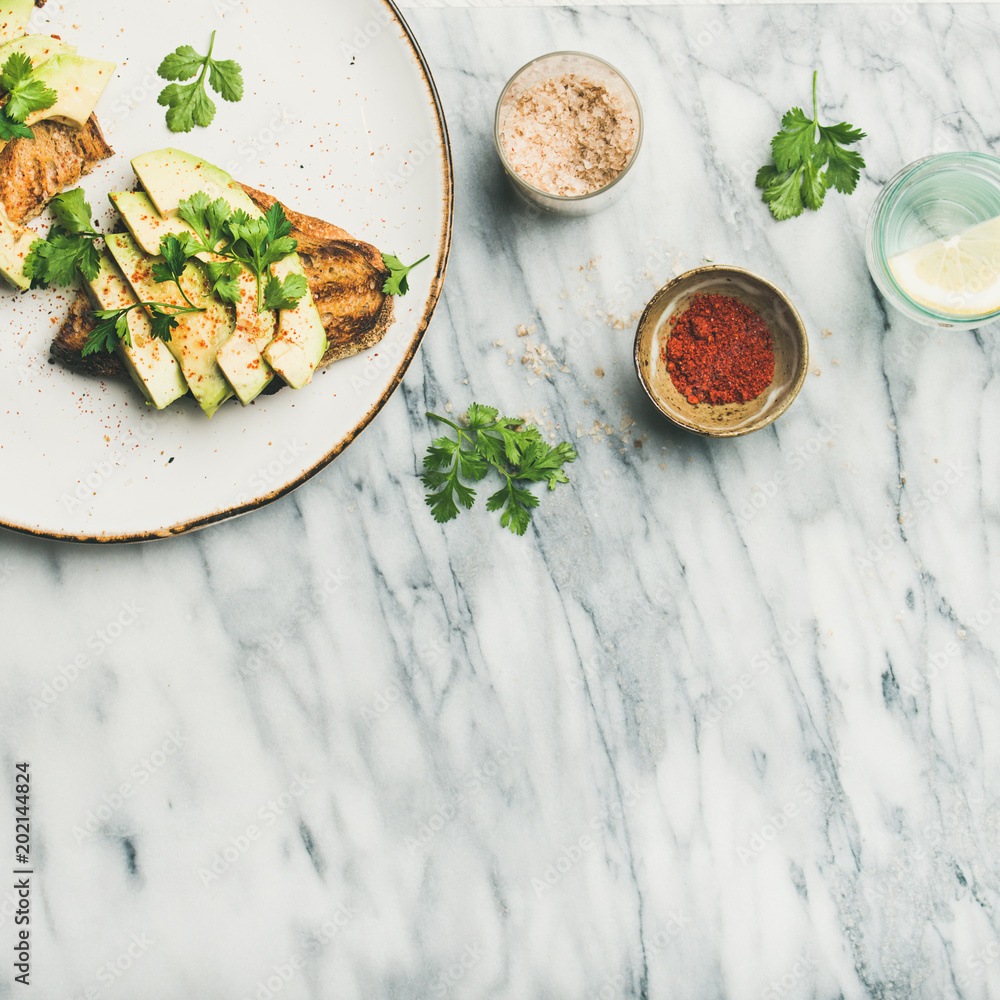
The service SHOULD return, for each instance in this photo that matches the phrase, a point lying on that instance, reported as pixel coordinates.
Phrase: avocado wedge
(198, 336)
(15, 244)
(14, 16)
(38, 48)
(148, 360)
(78, 82)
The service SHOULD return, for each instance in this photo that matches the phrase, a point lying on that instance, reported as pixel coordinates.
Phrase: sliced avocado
(240, 357)
(38, 48)
(169, 177)
(148, 360)
(145, 224)
(198, 336)
(301, 341)
(14, 15)
(15, 243)
(78, 82)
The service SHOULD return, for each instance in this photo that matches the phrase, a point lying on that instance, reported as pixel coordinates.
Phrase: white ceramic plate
(340, 119)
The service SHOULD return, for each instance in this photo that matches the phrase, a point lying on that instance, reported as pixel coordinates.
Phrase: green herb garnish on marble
(797, 179)
(506, 445)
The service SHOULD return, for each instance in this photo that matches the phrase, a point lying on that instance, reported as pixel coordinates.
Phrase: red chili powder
(719, 351)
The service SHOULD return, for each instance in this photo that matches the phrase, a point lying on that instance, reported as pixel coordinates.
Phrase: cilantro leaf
(512, 441)
(26, 95)
(16, 69)
(517, 504)
(796, 180)
(257, 243)
(441, 453)
(767, 174)
(207, 218)
(842, 134)
(285, 294)
(271, 253)
(492, 449)
(278, 225)
(174, 259)
(13, 130)
(224, 276)
(226, 78)
(397, 283)
(112, 330)
(69, 247)
(472, 465)
(443, 505)
(794, 144)
(813, 185)
(181, 64)
(113, 327)
(56, 260)
(164, 323)
(504, 444)
(542, 463)
(176, 252)
(72, 211)
(189, 104)
(784, 194)
(844, 168)
(482, 416)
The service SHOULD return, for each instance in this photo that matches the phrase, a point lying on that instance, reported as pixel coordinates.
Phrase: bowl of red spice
(721, 351)
(567, 128)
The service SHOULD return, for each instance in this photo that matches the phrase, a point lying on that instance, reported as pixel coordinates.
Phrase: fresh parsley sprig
(257, 244)
(175, 259)
(506, 444)
(24, 96)
(70, 245)
(397, 283)
(188, 104)
(113, 325)
(796, 180)
(243, 242)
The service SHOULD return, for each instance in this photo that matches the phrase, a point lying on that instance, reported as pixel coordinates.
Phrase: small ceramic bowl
(546, 67)
(788, 335)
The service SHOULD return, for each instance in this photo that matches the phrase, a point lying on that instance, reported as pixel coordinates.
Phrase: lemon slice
(958, 276)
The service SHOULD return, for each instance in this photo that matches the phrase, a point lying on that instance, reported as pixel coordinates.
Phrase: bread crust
(34, 171)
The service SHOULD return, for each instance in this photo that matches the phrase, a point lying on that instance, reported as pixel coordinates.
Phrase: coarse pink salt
(568, 135)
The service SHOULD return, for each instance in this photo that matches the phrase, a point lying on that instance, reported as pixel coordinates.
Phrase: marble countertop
(722, 724)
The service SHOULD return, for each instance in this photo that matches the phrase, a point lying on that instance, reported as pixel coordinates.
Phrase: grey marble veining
(722, 724)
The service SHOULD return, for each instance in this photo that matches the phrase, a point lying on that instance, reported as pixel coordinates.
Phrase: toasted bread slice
(34, 171)
(345, 276)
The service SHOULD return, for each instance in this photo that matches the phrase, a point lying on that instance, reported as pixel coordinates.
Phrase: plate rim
(437, 284)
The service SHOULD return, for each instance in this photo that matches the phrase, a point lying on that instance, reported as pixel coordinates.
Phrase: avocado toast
(345, 277)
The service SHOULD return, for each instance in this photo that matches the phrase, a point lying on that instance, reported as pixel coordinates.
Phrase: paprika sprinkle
(719, 351)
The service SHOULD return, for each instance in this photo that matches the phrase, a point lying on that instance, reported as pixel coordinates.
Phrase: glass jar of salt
(568, 128)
